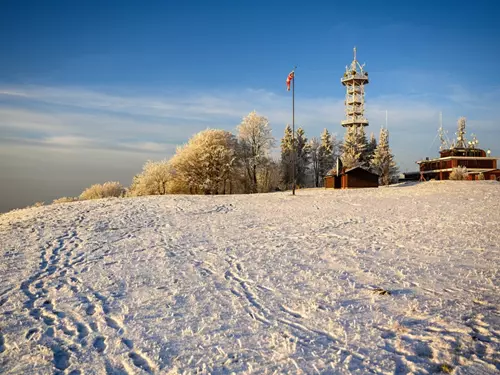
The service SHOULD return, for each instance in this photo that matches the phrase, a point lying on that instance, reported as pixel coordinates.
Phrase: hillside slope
(376, 281)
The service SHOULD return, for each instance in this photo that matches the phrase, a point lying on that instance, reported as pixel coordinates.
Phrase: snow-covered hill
(376, 281)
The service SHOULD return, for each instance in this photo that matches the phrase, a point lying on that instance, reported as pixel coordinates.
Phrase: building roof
(459, 158)
(333, 171)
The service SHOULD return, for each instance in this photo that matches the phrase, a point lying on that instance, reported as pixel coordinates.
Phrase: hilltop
(391, 280)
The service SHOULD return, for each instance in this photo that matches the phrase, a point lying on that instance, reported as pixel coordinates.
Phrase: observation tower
(355, 79)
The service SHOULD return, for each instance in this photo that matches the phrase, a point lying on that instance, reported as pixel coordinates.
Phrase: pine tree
(303, 154)
(372, 145)
(363, 146)
(383, 161)
(326, 154)
(315, 153)
(354, 148)
(370, 149)
(287, 157)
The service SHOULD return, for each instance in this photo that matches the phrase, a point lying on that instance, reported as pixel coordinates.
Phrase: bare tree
(256, 140)
(268, 176)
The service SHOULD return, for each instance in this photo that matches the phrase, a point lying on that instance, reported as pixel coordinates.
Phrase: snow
(394, 280)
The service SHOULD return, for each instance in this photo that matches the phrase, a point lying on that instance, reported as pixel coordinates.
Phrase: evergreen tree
(372, 145)
(302, 158)
(287, 157)
(354, 147)
(363, 144)
(326, 154)
(383, 161)
(370, 148)
(315, 151)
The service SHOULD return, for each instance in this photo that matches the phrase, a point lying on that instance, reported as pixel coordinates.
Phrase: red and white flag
(289, 79)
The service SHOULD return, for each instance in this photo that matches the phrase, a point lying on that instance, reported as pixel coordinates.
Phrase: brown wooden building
(351, 178)
(474, 159)
(460, 153)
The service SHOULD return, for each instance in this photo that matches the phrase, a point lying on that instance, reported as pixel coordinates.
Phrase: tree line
(216, 161)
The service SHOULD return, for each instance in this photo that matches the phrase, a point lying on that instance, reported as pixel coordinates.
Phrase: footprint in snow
(100, 344)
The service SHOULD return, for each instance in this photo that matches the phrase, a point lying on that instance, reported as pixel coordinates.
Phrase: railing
(354, 76)
(354, 120)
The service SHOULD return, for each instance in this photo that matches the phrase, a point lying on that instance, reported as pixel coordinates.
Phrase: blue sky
(89, 90)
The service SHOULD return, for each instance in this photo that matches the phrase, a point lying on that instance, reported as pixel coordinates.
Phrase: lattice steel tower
(355, 79)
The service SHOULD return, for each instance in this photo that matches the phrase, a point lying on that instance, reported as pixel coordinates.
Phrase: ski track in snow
(393, 280)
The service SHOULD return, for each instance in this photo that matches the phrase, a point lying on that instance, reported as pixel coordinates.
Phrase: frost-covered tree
(353, 148)
(256, 140)
(315, 153)
(363, 141)
(459, 173)
(287, 157)
(371, 146)
(330, 150)
(383, 161)
(206, 162)
(303, 156)
(107, 190)
(326, 156)
(153, 180)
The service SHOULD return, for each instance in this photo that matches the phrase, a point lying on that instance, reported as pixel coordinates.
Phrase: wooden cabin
(356, 177)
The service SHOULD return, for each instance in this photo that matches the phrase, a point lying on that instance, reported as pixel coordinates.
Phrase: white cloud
(475, 101)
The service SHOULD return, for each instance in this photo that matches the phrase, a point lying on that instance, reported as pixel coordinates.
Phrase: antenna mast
(461, 141)
(442, 134)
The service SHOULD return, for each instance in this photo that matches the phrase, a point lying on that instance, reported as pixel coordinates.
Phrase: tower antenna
(461, 141)
(441, 133)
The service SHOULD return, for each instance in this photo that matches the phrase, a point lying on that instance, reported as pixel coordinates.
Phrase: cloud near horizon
(40, 121)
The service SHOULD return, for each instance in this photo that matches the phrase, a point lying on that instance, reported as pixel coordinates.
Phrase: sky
(91, 90)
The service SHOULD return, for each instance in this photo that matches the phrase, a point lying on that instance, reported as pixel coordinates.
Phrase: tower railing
(359, 76)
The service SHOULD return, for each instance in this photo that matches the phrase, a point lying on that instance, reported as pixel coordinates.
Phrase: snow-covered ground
(256, 284)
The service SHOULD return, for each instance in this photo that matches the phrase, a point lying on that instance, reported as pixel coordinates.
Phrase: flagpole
(293, 133)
